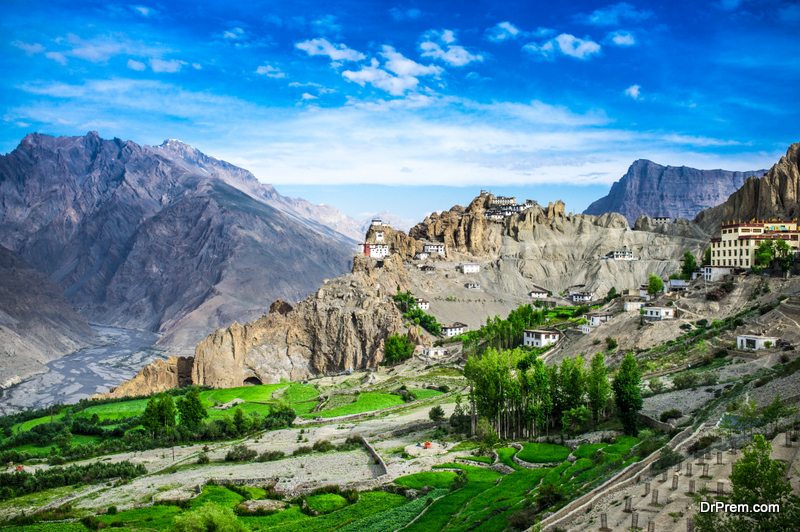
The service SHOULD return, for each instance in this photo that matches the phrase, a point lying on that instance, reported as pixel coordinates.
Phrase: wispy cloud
(442, 45)
(171, 66)
(29, 49)
(399, 14)
(270, 71)
(58, 57)
(620, 38)
(336, 52)
(381, 79)
(566, 44)
(613, 15)
(136, 65)
(506, 31)
(326, 25)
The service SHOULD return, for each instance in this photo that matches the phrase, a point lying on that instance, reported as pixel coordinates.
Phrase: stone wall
(371, 450)
(653, 423)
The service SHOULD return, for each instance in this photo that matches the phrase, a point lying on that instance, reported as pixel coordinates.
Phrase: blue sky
(542, 100)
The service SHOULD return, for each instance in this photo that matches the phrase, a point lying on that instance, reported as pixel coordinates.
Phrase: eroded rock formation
(161, 375)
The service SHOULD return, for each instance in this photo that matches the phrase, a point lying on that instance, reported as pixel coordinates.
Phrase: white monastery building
(454, 329)
(433, 248)
(470, 267)
(538, 293)
(582, 297)
(738, 242)
(379, 237)
(620, 254)
(539, 338)
(659, 313)
(662, 220)
(423, 304)
(374, 250)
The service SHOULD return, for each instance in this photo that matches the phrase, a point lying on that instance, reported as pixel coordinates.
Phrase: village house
(582, 297)
(376, 222)
(423, 304)
(495, 216)
(737, 243)
(586, 328)
(470, 267)
(716, 273)
(596, 318)
(752, 342)
(502, 200)
(473, 286)
(434, 352)
(540, 338)
(662, 220)
(428, 269)
(631, 306)
(374, 250)
(454, 329)
(433, 248)
(659, 313)
(538, 293)
(422, 256)
(575, 289)
(620, 254)
(678, 285)
(643, 292)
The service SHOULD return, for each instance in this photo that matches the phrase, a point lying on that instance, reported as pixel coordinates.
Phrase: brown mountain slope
(776, 195)
(37, 324)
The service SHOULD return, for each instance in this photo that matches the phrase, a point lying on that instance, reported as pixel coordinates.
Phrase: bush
(203, 458)
(722, 353)
(323, 446)
(112, 510)
(611, 343)
(668, 458)
(209, 518)
(270, 456)
(684, 380)
(703, 443)
(92, 523)
(549, 494)
(670, 414)
(656, 386)
(436, 414)
(444, 388)
(460, 481)
(708, 378)
(304, 449)
(241, 453)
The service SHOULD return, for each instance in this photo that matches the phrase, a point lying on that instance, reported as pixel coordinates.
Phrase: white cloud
(634, 91)
(379, 78)
(326, 25)
(337, 52)
(503, 31)
(160, 65)
(101, 48)
(402, 66)
(621, 38)
(58, 57)
(565, 43)
(29, 49)
(307, 96)
(445, 49)
(136, 65)
(143, 10)
(399, 14)
(197, 66)
(233, 33)
(613, 15)
(270, 71)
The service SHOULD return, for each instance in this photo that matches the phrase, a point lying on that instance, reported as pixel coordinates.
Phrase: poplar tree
(150, 419)
(191, 409)
(627, 395)
(598, 387)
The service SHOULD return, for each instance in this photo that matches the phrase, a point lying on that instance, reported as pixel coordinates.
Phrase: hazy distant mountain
(677, 192)
(396, 222)
(160, 238)
(37, 324)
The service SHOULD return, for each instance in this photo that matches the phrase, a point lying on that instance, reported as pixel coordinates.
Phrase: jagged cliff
(344, 324)
(159, 376)
(776, 195)
(677, 192)
(37, 324)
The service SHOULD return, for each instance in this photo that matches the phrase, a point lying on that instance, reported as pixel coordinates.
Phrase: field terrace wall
(653, 423)
(365, 415)
(627, 477)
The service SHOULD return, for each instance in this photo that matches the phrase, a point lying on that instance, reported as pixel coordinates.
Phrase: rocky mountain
(677, 192)
(395, 221)
(345, 323)
(160, 238)
(776, 195)
(37, 324)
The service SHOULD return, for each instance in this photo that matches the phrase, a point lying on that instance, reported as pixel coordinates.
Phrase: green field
(541, 453)
(261, 394)
(588, 450)
(326, 503)
(248, 408)
(366, 402)
(622, 446)
(394, 519)
(424, 393)
(371, 502)
(441, 479)
(299, 392)
(505, 456)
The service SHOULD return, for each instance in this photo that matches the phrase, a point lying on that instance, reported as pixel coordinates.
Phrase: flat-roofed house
(659, 313)
(540, 338)
(753, 342)
(470, 267)
(454, 329)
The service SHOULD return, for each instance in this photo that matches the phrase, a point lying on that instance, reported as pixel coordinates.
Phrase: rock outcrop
(164, 239)
(344, 324)
(677, 192)
(281, 307)
(37, 324)
(159, 376)
(776, 195)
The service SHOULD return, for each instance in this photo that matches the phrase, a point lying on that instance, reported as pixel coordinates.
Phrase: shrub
(549, 494)
(656, 385)
(92, 523)
(270, 456)
(209, 518)
(703, 443)
(460, 481)
(241, 453)
(722, 353)
(668, 458)
(203, 458)
(670, 414)
(112, 510)
(708, 378)
(684, 380)
(611, 343)
(436, 414)
(444, 388)
(304, 449)
(323, 446)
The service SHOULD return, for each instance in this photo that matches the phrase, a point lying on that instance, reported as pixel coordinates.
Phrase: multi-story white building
(374, 250)
(379, 237)
(538, 293)
(433, 248)
(582, 297)
(659, 313)
(596, 318)
(621, 254)
(423, 304)
(752, 342)
(376, 222)
(662, 220)
(540, 338)
(716, 273)
(737, 243)
(502, 200)
(470, 267)
(454, 329)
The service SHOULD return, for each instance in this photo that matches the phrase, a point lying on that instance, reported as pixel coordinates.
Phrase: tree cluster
(21, 483)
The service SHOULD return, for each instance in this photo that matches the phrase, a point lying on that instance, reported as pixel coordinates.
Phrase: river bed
(86, 372)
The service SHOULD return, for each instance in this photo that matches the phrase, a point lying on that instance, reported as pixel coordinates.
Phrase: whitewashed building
(374, 250)
(752, 342)
(582, 297)
(433, 248)
(662, 220)
(620, 254)
(538, 293)
(502, 200)
(428, 269)
(376, 222)
(379, 237)
(595, 319)
(454, 329)
(434, 352)
(423, 304)
(659, 313)
(586, 328)
(540, 338)
(632, 306)
(716, 273)
(473, 286)
(422, 256)
(575, 289)
(470, 267)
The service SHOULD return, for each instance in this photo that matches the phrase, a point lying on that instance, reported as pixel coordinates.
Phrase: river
(86, 372)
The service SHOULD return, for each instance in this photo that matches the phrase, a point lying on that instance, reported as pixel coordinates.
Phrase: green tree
(756, 480)
(764, 254)
(773, 412)
(655, 284)
(150, 420)
(706, 258)
(242, 421)
(397, 349)
(611, 294)
(575, 418)
(209, 518)
(786, 255)
(627, 395)
(166, 411)
(436, 414)
(689, 266)
(597, 386)
(191, 409)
